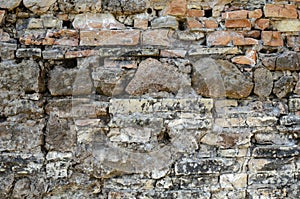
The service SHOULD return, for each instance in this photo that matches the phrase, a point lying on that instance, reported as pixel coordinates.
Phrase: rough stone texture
(149, 99)
(219, 79)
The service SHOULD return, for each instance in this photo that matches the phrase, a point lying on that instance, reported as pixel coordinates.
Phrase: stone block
(234, 181)
(237, 23)
(271, 38)
(29, 52)
(159, 37)
(38, 6)
(255, 14)
(280, 11)
(278, 152)
(287, 25)
(10, 5)
(238, 14)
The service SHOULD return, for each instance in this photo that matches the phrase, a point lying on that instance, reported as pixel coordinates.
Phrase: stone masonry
(149, 99)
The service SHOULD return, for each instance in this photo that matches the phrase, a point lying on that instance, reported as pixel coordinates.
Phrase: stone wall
(149, 99)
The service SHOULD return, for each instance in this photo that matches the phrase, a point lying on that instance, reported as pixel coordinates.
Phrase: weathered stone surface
(276, 151)
(27, 81)
(79, 6)
(161, 37)
(29, 52)
(209, 51)
(2, 14)
(106, 38)
(233, 181)
(91, 21)
(38, 6)
(284, 11)
(147, 79)
(263, 81)
(124, 7)
(9, 4)
(7, 51)
(287, 25)
(283, 86)
(219, 78)
(271, 38)
(248, 59)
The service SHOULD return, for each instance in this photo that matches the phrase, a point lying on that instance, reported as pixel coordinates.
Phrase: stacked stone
(149, 99)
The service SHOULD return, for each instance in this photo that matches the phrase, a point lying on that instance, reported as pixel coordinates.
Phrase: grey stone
(38, 6)
(165, 22)
(263, 81)
(152, 75)
(124, 7)
(29, 52)
(288, 61)
(279, 152)
(7, 50)
(219, 78)
(283, 86)
(79, 6)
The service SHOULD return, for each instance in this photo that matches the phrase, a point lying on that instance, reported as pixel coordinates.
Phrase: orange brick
(176, 8)
(219, 38)
(109, 37)
(238, 14)
(271, 38)
(237, 23)
(194, 24)
(252, 33)
(262, 24)
(248, 59)
(280, 11)
(210, 23)
(195, 13)
(255, 14)
(238, 39)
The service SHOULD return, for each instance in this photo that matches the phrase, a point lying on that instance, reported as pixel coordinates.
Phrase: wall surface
(149, 99)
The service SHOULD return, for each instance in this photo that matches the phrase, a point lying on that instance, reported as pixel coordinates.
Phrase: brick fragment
(109, 37)
(239, 40)
(159, 37)
(194, 24)
(255, 14)
(248, 59)
(195, 13)
(262, 24)
(238, 14)
(62, 37)
(237, 23)
(81, 53)
(219, 38)
(210, 23)
(280, 11)
(271, 38)
(176, 8)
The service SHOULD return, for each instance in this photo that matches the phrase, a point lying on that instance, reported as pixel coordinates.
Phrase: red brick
(159, 37)
(176, 8)
(210, 23)
(238, 39)
(62, 37)
(109, 37)
(238, 14)
(271, 38)
(252, 33)
(237, 23)
(194, 24)
(81, 53)
(219, 38)
(195, 13)
(280, 11)
(248, 59)
(255, 14)
(262, 24)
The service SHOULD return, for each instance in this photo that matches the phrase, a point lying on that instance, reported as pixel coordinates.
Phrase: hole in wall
(182, 25)
(69, 63)
(67, 24)
(3, 118)
(208, 13)
(149, 11)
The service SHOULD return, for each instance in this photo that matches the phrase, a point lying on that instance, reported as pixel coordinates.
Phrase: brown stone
(62, 37)
(210, 23)
(109, 37)
(152, 75)
(271, 38)
(283, 86)
(238, 14)
(141, 23)
(195, 13)
(159, 37)
(288, 61)
(176, 8)
(255, 14)
(263, 81)
(194, 24)
(219, 78)
(239, 39)
(280, 11)
(237, 23)
(262, 24)
(2, 14)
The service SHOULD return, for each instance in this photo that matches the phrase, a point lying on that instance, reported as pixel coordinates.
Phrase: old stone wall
(149, 99)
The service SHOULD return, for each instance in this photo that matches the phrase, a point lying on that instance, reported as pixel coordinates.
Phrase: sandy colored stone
(9, 4)
(176, 8)
(159, 37)
(287, 25)
(238, 14)
(218, 38)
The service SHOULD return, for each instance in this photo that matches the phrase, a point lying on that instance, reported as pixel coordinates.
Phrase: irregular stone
(262, 24)
(223, 140)
(289, 120)
(173, 53)
(80, 6)
(148, 78)
(35, 23)
(190, 36)
(280, 152)
(82, 53)
(237, 14)
(10, 5)
(165, 22)
(234, 181)
(283, 86)
(248, 59)
(51, 22)
(218, 38)
(263, 82)
(211, 50)
(219, 78)
(124, 7)
(237, 23)
(287, 25)
(255, 14)
(91, 21)
(33, 37)
(121, 52)
(7, 51)
(2, 14)
(62, 37)
(294, 104)
(287, 61)
(107, 38)
(38, 6)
